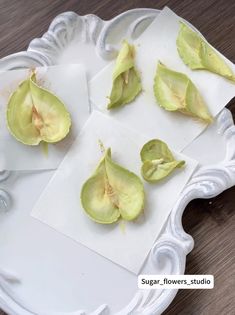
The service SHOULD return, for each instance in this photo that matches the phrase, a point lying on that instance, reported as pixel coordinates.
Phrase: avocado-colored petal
(125, 59)
(195, 105)
(111, 192)
(52, 119)
(213, 62)
(126, 79)
(35, 114)
(158, 161)
(198, 54)
(152, 171)
(123, 93)
(170, 88)
(96, 197)
(189, 44)
(174, 91)
(127, 187)
(19, 115)
(156, 149)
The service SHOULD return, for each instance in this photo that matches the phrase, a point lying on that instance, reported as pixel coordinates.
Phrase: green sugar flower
(112, 192)
(126, 79)
(198, 54)
(34, 114)
(174, 91)
(158, 161)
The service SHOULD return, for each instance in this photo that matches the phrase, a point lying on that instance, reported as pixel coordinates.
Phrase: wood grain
(210, 222)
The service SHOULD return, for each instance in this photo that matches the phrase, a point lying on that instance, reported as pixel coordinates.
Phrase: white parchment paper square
(158, 43)
(69, 83)
(59, 205)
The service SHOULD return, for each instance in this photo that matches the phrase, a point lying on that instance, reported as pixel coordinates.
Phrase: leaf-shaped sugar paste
(34, 114)
(198, 54)
(112, 192)
(174, 91)
(126, 79)
(158, 161)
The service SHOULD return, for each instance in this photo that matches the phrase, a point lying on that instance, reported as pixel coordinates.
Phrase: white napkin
(68, 82)
(158, 42)
(59, 205)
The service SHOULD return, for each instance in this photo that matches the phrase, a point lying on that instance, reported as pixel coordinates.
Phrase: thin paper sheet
(158, 43)
(59, 205)
(68, 82)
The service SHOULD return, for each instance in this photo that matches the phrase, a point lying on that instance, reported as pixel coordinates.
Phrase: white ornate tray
(43, 272)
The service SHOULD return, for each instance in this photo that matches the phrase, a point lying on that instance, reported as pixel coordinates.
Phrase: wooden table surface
(210, 222)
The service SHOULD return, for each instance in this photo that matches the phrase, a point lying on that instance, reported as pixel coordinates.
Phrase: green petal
(195, 105)
(198, 54)
(125, 59)
(19, 115)
(34, 114)
(170, 88)
(156, 149)
(96, 200)
(158, 161)
(128, 188)
(55, 118)
(126, 79)
(174, 91)
(153, 172)
(112, 191)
